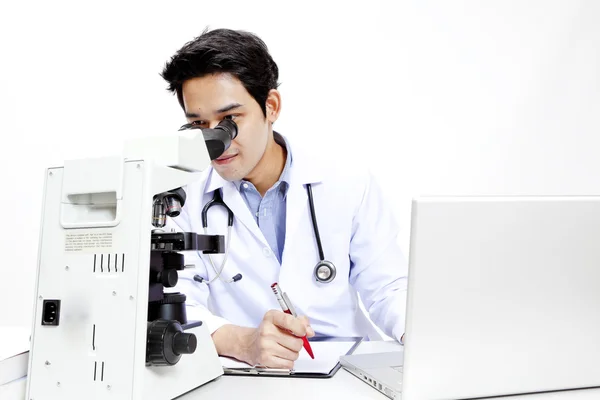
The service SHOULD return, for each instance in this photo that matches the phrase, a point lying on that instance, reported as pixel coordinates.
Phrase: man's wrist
(231, 341)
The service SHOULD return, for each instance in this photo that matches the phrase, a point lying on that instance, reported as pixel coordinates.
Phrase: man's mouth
(225, 159)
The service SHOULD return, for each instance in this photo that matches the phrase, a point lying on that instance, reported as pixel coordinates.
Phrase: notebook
(327, 352)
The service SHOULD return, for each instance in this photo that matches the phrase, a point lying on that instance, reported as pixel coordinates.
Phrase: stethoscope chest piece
(324, 271)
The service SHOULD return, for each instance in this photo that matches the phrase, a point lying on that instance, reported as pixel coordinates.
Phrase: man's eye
(196, 123)
(232, 117)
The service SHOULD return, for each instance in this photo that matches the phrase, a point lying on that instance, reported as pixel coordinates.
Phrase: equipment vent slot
(109, 264)
(94, 338)
(99, 371)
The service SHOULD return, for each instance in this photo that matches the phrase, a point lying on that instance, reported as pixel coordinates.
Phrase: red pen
(286, 306)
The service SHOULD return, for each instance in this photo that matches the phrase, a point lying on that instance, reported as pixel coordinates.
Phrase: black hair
(239, 53)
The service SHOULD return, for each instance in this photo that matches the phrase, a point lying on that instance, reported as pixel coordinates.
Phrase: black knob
(168, 277)
(166, 342)
(184, 343)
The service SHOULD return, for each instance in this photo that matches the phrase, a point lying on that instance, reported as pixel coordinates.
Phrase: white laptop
(503, 298)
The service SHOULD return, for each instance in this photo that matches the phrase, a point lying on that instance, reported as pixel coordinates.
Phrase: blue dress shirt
(270, 211)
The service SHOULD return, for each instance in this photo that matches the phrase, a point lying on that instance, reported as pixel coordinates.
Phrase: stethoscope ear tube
(217, 200)
(324, 271)
(314, 221)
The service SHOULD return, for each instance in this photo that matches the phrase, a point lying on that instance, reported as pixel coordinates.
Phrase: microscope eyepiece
(229, 126)
(217, 139)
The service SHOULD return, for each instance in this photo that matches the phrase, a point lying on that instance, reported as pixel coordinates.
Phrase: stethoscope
(324, 271)
(217, 200)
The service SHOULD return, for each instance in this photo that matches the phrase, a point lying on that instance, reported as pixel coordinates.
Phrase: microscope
(103, 326)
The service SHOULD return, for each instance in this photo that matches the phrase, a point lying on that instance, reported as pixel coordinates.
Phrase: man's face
(212, 98)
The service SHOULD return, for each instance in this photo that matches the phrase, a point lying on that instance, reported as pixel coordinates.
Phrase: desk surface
(343, 386)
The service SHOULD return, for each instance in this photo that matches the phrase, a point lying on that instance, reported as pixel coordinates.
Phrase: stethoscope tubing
(217, 200)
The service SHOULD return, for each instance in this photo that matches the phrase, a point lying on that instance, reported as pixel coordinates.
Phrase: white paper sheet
(14, 353)
(327, 355)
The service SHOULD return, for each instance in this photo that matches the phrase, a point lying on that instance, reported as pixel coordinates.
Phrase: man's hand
(276, 343)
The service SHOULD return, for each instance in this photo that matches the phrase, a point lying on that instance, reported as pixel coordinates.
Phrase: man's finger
(286, 339)
(309, 330)
(287, 321)
(284, 353)
(276, 362)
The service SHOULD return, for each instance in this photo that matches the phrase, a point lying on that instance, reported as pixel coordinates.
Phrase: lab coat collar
(302, 170)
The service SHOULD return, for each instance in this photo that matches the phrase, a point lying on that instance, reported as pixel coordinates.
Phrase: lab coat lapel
(297, 208)
(302, 172)
(233, 199)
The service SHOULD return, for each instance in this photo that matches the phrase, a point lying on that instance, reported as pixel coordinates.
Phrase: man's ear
(273, 105)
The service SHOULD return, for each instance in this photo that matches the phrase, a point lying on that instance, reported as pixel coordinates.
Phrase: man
(226, 74)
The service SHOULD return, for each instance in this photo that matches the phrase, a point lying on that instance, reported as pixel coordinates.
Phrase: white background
(436, 97)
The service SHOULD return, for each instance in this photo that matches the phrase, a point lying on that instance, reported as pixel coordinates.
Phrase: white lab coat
(359, 235)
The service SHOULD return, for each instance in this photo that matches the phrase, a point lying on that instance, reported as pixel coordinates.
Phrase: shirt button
(266, 251)
(245, 186)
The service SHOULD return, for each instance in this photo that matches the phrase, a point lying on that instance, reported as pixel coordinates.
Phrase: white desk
(341, 386)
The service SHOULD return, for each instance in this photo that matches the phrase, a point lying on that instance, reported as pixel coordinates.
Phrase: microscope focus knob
(166, 342)
(184, 343)
(169, 278)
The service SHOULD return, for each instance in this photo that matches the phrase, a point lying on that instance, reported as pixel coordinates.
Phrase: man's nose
(213, 124)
